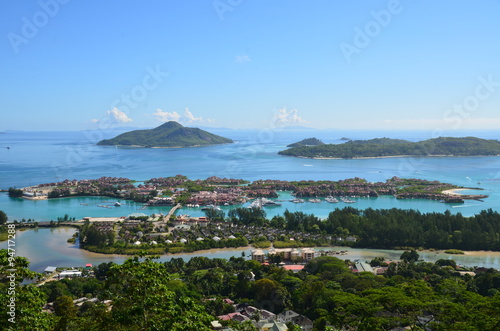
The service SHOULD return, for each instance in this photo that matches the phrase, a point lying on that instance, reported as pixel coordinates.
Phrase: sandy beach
(489, 254)
(483, 253)
(42, 197)
(455, 191)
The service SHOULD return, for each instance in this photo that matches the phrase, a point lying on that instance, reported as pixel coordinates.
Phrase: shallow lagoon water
(48, 247)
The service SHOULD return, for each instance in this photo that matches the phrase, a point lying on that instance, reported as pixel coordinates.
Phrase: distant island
(386, 147)
(170, 134)
(307, 142)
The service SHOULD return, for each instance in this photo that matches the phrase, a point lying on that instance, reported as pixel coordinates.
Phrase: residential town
(223, 191)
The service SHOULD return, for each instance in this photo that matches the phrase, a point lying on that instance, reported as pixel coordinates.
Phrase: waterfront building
(258, 255)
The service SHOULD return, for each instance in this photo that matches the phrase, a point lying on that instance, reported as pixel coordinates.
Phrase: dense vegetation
(409, 228)
(104, 240)
(3, 217)
(370, 228)
(169, 134)
(15, 193)
(307, 142)
(385, 228)
(383, 147)
(187, 295)
(3, 227)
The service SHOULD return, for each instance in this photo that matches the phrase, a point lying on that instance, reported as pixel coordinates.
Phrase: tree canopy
(382, 147)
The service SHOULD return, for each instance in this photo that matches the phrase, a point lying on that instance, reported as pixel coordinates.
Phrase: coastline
(42, 197)
(386, 157)
(160, 147)
(36, 245)
(455, 191)
(194, 253)
(481, 253)
(495, 254)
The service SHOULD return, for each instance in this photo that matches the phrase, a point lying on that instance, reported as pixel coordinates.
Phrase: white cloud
(285, 117)
(190, 117)
(113, 117)
(243, 58)
(164, 116)
(186, 118)
(118, 116)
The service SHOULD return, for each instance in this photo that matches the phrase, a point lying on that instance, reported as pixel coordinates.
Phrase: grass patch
(126, 251)
(262, 244)
(3, 236)
(288, 244)
(454, 251)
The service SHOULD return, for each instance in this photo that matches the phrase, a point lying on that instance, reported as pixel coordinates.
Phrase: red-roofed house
(294, 267)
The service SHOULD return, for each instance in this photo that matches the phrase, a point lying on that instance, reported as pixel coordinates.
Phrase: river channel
(49, 247)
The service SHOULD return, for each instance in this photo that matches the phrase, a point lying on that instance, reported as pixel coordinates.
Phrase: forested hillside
(384, 147)
(188, 295)
(169, 134)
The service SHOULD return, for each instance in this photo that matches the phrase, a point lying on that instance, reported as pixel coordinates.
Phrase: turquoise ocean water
(41, 157)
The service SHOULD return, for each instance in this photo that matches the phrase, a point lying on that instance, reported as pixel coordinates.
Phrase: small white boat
(331, 199)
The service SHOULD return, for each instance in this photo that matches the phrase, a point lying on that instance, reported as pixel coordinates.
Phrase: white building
(258, 255)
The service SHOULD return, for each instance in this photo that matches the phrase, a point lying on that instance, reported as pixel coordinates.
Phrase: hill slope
(169, 134)
(385, 147)
(307, 142)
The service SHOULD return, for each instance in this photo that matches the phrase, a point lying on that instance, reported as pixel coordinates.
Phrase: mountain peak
(169, 125)
(169, 134)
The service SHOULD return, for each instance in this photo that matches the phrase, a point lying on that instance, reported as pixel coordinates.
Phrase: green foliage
(169, 134)
(410, 256)
(307, 142)
(143, 300)
(395, 228)
(91, 235)
(66, 310)
(382, 147)
(454, 251)
(262, 244)
(270, 294)
(326, 265)
(15, 193)
(59, 192)
(28, 299)
(187, 295)
(248, 216)
(288, 244)
(3, 217)
(377, 262)
(215, 214)
(445, 262)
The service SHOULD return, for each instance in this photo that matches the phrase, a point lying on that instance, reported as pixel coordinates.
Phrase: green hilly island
(169, 134)
(386, 147)
(307, 142)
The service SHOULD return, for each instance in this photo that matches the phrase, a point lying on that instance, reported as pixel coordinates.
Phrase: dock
(167, 217)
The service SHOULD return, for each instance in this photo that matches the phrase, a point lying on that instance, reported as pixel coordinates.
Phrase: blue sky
(388, 65)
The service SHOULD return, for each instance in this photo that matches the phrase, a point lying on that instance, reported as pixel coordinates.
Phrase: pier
(167, 217)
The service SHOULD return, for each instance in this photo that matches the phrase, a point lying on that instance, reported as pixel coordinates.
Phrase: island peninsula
(224, 191)
(386, 147)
